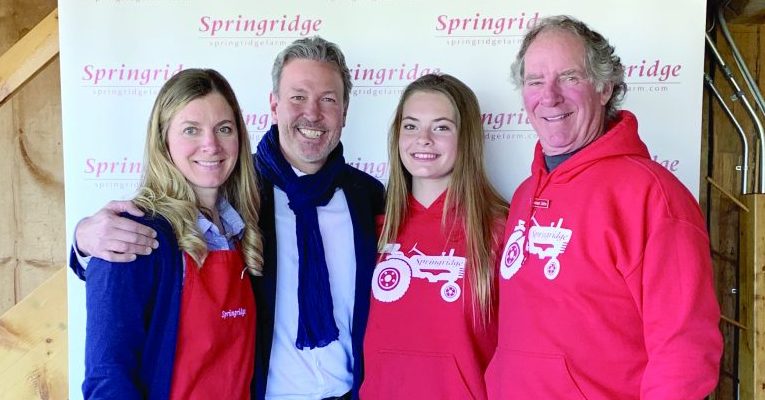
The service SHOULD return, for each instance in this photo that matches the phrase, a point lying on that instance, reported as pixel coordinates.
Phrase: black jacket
(366, 201)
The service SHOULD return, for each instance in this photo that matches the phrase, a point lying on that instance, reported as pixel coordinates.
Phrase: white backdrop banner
(116, 54)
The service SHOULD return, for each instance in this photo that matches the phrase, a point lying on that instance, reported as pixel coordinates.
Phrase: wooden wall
(746, 11)
(32, 242)
(721, 155)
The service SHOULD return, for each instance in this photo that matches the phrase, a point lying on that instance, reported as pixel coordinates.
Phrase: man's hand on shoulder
(107, 235)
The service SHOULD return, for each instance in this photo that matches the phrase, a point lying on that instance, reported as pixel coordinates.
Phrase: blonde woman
(180, 322)
(432, 323)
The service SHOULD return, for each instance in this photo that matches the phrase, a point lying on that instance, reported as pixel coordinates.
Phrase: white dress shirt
(317, 373)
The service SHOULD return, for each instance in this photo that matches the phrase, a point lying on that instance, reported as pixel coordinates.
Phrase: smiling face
(564, 107)
(428, 140)
(309, 112)
(203, 142)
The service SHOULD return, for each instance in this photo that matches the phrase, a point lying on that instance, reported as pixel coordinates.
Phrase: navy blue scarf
(316, 320)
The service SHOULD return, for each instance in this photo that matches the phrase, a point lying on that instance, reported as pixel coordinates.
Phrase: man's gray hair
(602, 65)
(317, 49)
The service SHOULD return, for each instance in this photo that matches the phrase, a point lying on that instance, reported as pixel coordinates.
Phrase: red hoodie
(423, 340)
(605, 281)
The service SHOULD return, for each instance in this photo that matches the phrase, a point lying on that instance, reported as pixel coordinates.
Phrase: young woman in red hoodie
(432, 323)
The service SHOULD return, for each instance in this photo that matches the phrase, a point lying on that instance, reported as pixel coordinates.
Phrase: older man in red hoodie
(605, 281)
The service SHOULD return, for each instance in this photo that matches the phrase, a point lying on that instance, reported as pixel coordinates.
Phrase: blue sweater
(133, 310)
(365, 200)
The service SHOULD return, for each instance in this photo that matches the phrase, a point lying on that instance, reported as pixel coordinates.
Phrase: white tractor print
(391, 277)
(549, 242)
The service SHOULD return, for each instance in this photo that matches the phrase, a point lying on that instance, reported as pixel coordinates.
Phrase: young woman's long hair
(477, 205)
(165, 191)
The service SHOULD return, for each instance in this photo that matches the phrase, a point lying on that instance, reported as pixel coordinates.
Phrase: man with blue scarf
(318, 221)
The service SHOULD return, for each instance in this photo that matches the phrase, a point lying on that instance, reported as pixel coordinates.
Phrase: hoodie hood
(621, 139)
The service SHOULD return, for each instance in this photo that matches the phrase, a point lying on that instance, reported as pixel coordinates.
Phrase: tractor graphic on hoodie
(392, 276)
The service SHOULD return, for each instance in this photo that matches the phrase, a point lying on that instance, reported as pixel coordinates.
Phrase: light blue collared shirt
(233, 227)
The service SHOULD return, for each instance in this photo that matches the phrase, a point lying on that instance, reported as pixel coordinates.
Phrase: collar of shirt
(233, 227)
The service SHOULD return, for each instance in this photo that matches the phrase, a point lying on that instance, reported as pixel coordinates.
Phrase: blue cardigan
(133, 311)
(366, 201)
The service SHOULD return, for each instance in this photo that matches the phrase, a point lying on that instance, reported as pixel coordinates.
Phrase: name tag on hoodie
(541, 203)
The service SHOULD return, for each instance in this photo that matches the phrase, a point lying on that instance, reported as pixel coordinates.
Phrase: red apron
(216, 332)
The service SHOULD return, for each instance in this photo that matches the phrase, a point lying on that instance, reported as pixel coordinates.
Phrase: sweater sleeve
(119, 298)
(76, 262)
(680, 312)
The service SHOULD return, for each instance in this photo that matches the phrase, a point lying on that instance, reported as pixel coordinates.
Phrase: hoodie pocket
(516, 374)
(414, 375)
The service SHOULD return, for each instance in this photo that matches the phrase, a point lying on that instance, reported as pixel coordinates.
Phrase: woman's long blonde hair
(477, 205)
(166, 192)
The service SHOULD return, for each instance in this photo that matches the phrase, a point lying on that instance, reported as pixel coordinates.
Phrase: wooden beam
(752, 306)
(33, 344)
(32, 52)
(747, 11)
(727, 194)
